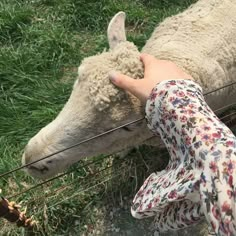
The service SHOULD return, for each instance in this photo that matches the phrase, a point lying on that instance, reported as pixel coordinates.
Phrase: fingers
(136, 87)
(122, 81)
(149, 63)
(147, 59)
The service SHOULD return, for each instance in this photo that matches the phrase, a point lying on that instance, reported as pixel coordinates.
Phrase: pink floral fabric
(200, 179)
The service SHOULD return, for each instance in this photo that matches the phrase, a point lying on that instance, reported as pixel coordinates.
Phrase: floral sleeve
(199, 145)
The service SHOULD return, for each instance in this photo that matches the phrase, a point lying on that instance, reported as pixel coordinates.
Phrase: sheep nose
(36, 169)
(26, 158)
(30, 155)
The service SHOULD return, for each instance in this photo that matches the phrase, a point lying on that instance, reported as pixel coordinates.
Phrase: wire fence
(107, 176)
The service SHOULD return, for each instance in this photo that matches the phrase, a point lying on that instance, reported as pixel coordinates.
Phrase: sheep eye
(126, 128)
(131, 127)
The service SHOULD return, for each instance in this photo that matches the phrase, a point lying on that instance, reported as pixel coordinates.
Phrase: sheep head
(95, 105)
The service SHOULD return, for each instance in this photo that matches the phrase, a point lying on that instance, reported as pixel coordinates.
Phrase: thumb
(148, 61)
(122, 81)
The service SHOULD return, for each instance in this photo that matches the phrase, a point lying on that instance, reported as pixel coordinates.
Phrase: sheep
(201, 41)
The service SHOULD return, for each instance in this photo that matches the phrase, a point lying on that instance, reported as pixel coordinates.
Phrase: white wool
(201, 40)
(124, 58)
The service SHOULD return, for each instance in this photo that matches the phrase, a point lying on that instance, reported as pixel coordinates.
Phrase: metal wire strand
(87, 164)
(225, 86)
(68, 172)
(79, 192)
(228, 116)
(225, 107)
(84, 190)
(72, 146)
(56, 177)
(85, 178)
(87, 187)
(89, 178)
(96, 136)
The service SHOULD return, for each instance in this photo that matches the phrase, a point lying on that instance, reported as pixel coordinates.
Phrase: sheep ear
(116, 30)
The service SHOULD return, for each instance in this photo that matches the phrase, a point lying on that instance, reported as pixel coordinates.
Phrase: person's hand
(155, 71)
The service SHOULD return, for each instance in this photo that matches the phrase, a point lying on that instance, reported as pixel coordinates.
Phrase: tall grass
(41, 44)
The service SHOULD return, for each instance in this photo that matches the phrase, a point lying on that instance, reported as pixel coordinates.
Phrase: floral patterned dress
(200, 179)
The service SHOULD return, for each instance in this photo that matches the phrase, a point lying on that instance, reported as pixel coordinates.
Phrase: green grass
(41, 44)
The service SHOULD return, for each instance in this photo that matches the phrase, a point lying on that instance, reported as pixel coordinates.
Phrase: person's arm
(176, 110)
(193, 134)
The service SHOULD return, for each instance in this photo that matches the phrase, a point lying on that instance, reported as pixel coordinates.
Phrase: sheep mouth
(42, 170)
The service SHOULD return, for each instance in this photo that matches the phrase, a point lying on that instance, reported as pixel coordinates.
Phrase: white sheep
(201, 40)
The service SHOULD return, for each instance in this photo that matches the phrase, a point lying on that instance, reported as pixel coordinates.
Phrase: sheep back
(202, 41)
